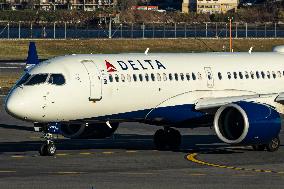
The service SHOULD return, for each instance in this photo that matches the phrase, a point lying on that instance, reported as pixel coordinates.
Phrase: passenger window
(147, 77)
(182, 76)
(159, 77)
(278, 74)
(252, 74)
(141, 77)
(241, 75)
(193, 76)
(134, 77)
(24, 79)
(128, 78)
(257, 75)
(116, 78)
(273, 74)
(188, 76)
(229, 75)
(246, 75)
(262, 75)
(176, 76)
(268, 74)
(110, 78)
(170, 77)
(235, 75)
(37, 79)
(122, 78)
(219, 75)
(153, 77)
(165, 77)
(56, 79)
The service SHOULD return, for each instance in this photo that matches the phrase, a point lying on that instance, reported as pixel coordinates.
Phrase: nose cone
(14, 106)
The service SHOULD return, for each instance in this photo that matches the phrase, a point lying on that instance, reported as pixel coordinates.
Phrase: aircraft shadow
(190, 143)
(16, 127)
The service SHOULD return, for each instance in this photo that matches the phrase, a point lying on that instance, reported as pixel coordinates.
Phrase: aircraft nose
(14, 106)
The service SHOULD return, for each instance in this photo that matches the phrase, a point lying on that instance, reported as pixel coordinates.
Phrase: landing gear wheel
(43, 150)
(168, 137)
(174, 139)
(273, 145)
(160, 139)
(47, 149)
(258, 147)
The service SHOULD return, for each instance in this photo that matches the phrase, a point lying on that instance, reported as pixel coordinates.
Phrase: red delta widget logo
(110, 67)
(135, 65)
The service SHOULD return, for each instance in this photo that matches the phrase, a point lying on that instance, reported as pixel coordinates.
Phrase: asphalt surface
(12, 66)
(129, 160)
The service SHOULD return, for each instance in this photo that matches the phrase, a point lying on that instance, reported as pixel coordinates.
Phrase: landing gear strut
(272, 146)
(167, 138)
(48, 147)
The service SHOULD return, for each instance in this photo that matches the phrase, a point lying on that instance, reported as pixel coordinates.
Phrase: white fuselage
(91, 94)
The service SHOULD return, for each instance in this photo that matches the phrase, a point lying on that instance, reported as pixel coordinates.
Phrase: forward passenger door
(95, 80)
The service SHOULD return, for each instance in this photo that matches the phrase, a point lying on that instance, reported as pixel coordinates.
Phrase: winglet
(32, 58)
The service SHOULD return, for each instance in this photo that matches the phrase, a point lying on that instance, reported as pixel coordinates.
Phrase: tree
(127, 4)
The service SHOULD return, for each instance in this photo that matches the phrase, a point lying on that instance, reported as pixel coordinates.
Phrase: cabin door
(209, 77)
(95, 80)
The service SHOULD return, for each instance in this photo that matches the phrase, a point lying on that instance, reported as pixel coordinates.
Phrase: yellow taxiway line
(193, 158)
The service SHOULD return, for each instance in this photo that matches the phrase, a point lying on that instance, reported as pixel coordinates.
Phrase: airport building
(87, 5)
(209, 6)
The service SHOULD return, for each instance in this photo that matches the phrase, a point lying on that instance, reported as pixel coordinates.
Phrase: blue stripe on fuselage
(170, 114)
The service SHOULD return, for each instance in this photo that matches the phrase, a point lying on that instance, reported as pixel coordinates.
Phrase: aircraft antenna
(250, 50)
(147, 50)
(108, 124)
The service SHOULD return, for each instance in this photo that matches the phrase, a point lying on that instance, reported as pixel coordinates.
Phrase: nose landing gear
(48, 147)
(167, 138)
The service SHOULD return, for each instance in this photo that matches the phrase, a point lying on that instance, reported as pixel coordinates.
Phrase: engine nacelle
(247, 123)
(87, 131)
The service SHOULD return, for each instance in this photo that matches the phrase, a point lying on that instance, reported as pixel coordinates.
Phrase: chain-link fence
(22, 30)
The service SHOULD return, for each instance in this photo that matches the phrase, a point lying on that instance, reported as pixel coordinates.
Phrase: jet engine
(88, 131)
(247, 123)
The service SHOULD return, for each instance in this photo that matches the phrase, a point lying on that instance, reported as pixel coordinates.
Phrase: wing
(204, 104)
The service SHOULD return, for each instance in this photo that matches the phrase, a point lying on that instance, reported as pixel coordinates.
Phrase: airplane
(88, 95)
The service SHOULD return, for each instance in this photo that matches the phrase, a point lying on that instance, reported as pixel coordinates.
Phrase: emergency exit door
(209, 77)
(95, 80)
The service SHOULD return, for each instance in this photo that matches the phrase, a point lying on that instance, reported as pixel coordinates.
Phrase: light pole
(231, 40)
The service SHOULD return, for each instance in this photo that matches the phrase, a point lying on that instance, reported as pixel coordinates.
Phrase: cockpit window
(37, 79)
(24, 79)
(56, 79)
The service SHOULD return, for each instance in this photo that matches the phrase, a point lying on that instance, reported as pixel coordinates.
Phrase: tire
(160, 139)
(258, 147)
(273, 145)
(51, 149)
(43, 150)
(174, 139)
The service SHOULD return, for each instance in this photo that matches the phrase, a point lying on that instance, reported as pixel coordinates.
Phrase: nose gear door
(95, 80)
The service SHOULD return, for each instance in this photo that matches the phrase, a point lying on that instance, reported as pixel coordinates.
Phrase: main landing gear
(272, 146)
(167, 138)
(48, 147)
